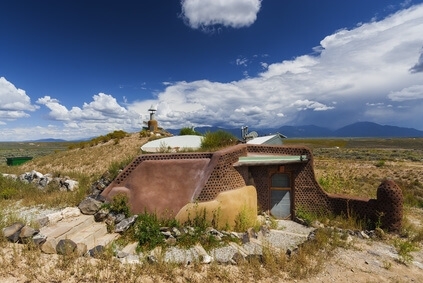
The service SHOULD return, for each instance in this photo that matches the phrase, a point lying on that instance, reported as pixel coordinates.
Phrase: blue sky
(77, 69)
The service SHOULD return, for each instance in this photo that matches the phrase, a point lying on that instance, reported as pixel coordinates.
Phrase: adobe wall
(162, 183)
(225, 209)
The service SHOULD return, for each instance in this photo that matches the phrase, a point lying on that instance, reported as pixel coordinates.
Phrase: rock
(247, 236)
(43, 182)
(39, 239)
(89, 206)
(119, 217)
(311, 236)
(238, 258)
(206, 259)
(167, 234)
(27, 233)
(97, 251)
(362, 235)
(100, 198)
(176, 232)
(65, 247)
(54, 217)
(49, 246)
(101, 215)
(265, 230)
(300, 221)
(25, 178)
(81, 249)
(12, 232)
(71, 185)
(36, 175)
(121, 254)
(43, 221)
(70, 212)
(101, 184)
(125, 224)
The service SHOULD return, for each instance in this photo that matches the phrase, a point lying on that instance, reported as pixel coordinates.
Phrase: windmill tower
(152, 123)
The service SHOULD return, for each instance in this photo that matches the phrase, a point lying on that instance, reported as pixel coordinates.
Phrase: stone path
(288, 236)
(81, 229)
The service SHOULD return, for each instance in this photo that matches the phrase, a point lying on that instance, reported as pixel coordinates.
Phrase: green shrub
(119, 204)
(189, 131)
(217, 140)
(380, 163)
(245, 219)
(147, 231)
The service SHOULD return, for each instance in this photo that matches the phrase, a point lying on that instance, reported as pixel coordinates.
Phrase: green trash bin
(13, 161)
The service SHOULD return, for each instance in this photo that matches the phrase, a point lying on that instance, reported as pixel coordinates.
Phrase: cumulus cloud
(229, 13)
(408, 93)
(314, 105)
(101, 114)
(14, 102)
(370, 62)
(418, 67)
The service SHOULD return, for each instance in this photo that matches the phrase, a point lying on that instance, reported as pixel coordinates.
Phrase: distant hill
(369, 129)
(48, 140)
(359, 129)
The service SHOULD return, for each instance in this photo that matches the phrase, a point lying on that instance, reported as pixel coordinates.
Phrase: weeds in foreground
(404, 249)
(245, 219)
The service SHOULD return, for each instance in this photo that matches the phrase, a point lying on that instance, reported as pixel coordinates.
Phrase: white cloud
(14, 102)
(350, 68)
(408, 93)
(229, 13)
(314, 105)
(242, 62)
(96, 117)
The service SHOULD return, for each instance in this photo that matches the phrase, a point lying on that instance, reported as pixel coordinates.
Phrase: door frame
(290, 189)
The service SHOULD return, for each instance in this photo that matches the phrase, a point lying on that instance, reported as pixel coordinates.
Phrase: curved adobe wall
(225, 208)
(224, 176)
(162, 183)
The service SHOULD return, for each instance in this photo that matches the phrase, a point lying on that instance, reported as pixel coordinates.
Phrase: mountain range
(359, 129)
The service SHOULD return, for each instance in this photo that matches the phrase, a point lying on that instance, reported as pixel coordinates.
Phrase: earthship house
(259, 174)
(273, 178)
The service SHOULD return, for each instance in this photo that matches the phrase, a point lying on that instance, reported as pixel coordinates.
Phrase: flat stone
(70, 212)
(12, 229)
(39, 239)
(49, 246)
(27, 232)
(54, 217)
(12, 232)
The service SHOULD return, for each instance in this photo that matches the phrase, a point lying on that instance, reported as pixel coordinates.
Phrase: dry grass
(341, 167)
(91, 161)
